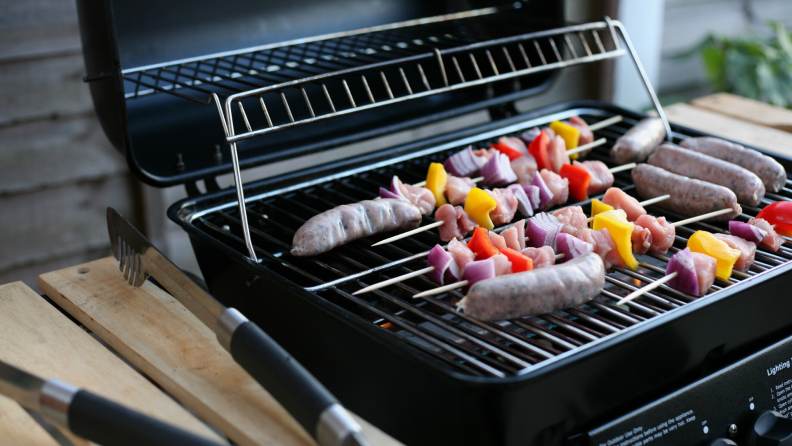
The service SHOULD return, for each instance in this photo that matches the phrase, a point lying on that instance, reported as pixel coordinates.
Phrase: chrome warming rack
(431, 324)
(207, 79)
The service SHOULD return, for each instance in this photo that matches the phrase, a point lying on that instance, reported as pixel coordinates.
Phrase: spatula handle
(302, 395)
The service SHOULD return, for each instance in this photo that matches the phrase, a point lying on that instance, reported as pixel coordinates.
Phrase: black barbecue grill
(416, 368)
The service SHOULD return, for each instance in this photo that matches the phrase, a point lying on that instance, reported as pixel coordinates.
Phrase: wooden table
(164, 341)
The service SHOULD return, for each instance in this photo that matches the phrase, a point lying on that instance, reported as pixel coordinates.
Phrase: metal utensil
(88, 415)
(290, 383)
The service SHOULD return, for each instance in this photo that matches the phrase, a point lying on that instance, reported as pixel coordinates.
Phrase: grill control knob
(721, 442)
(771, 429)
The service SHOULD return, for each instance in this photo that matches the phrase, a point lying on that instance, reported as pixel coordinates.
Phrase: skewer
(585, 147)
(594, 127)
(439, 223)
(452, 286)
(409, 233)
(641, 291)
(629, 297)
(605, 123)
(645, 203)
(474, 180)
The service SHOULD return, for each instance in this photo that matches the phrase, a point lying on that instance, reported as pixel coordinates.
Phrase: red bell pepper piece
(538, 148)
(481, 245)
(520, 262)
(506, 150)
(579, 179)
(780, 215)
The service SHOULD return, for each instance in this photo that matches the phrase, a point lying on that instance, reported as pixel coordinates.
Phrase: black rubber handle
(277, 371)
(109, 424)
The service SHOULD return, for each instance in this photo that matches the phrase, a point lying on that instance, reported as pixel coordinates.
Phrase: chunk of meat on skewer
(457, 223)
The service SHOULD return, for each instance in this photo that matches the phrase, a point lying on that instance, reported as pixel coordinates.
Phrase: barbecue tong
(302, 395)
(88, 415)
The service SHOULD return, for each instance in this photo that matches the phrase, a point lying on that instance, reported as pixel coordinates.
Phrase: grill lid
(152, 69)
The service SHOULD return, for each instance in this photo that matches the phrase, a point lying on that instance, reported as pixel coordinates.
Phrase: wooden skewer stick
(641, 291)
(585, 147)
(474, 180)
(702, 217)
(644, 203)
(452, 286)
(409, 233)
(385, 283)
(605, 123)
(627, 166)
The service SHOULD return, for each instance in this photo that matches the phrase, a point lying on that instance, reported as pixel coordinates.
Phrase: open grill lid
(152, 70)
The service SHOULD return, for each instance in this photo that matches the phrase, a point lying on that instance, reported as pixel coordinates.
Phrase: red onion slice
(686, 280)
(534, 195)
(464, 163)
(542, 230)
(497, 171)
(395, 189)
(445, 268)
(572, 247)
(529, 135)
(545, 194)
(478, 271)
(748, 232)
(385, 193)
(523, 202)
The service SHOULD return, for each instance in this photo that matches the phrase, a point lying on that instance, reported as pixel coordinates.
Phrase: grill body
(403, 387)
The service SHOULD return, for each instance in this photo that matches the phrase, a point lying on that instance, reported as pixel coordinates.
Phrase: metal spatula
(289, 382)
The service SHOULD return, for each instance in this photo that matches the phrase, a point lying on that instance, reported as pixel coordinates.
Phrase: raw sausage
(349, 222)
(639, 142)
(688, 196)
(538, 291)
(745, 184)
(770, 171)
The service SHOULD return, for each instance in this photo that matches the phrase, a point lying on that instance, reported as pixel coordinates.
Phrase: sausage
(770, 171)
(745, 184)
(538, 291)
(639, 142)
(688, 196)
(349, 222)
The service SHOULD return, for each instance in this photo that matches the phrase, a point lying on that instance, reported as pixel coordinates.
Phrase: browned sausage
(770, 171)
(745, 184)
(538, 291)
(688, 196)
(639, 142)
(349, 222)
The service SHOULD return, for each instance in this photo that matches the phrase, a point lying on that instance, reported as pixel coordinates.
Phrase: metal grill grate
(431, 324)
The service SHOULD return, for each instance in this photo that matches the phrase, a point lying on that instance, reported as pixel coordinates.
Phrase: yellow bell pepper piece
(706, 243)
(436, 182)
(570, 134)
(598, 207)
(621, 230)
(478, 206)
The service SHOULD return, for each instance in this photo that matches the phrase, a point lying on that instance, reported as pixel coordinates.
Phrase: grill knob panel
(771, 429)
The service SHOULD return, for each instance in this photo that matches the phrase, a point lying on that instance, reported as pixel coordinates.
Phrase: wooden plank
(162, 338)
(50, 153)
(43, 88)
(17, 427)
(37, 337)
(53, 223)
(772, 140)
(746, 109)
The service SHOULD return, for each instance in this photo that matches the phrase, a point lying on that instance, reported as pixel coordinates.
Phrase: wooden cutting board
(770, 139)
(37, 337)
(747, 110)
(17, 427)
(161, 337)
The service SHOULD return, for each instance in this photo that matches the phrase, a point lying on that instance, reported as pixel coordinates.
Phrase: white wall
(643, 20)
